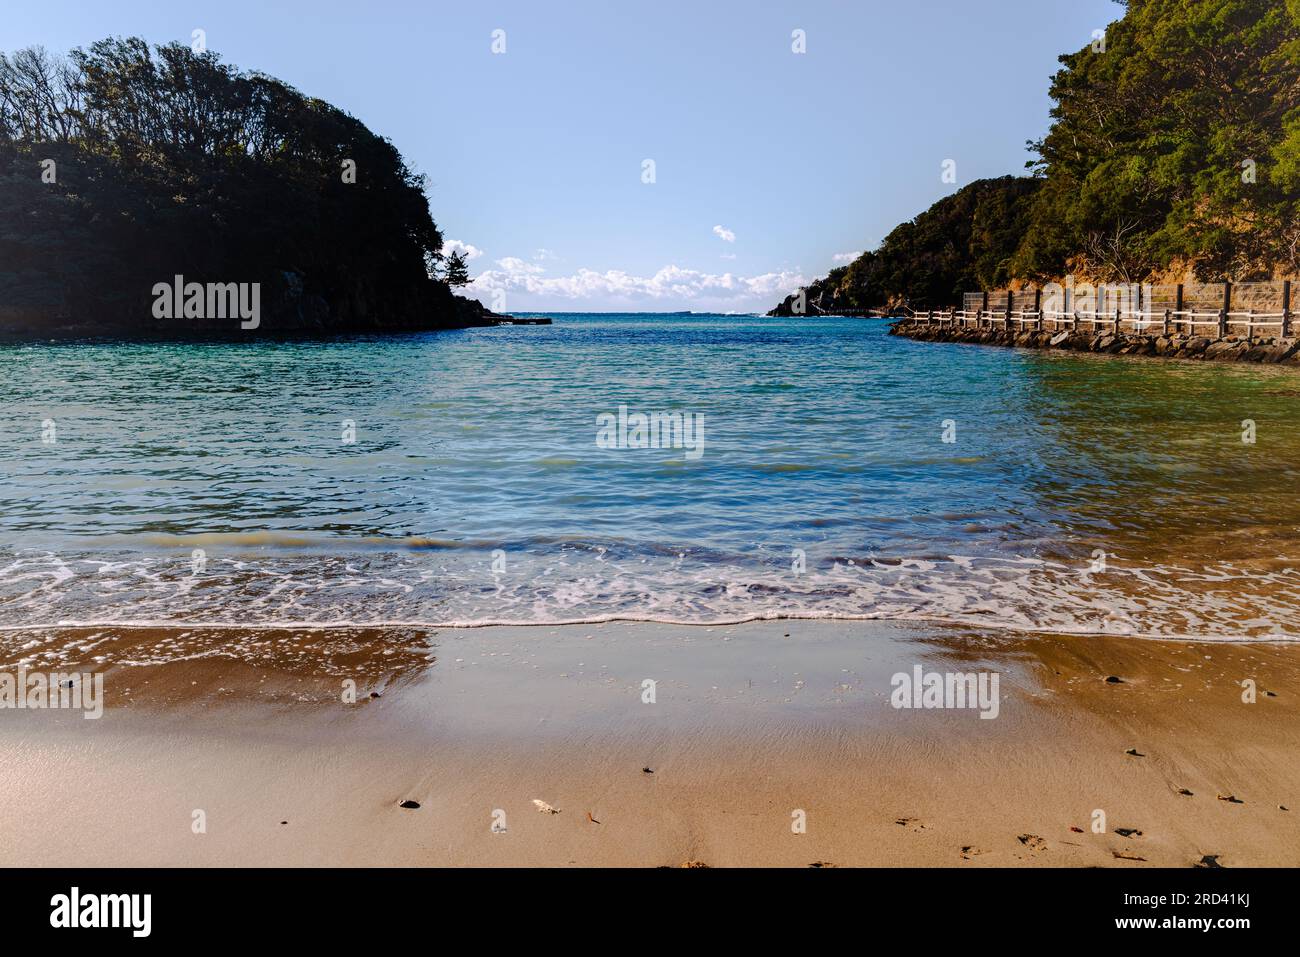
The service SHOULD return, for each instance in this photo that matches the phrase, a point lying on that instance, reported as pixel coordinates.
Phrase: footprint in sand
(1033, 842)
(912, 824)
(970, 851)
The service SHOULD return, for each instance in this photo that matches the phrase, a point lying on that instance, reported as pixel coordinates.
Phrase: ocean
(822, 469)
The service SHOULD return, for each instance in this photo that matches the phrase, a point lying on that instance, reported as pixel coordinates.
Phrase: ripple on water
(825, 488)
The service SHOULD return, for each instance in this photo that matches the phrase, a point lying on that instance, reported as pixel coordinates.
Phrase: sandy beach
(237, 747)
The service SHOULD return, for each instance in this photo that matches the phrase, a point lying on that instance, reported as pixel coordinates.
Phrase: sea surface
(456, 478)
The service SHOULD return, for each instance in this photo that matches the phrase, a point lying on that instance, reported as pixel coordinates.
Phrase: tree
(1174, 146)
(456, 270)
(170, 162)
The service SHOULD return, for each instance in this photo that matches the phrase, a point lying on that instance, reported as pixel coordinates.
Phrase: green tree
(1175, 144)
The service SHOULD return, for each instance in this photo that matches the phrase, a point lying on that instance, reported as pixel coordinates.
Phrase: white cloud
(471, 253)
(727, 256)
(543, 254)
(725, 234)
(514, 266)
(846, 257)
(673, 283)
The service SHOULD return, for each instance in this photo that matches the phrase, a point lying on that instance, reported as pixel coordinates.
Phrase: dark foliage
(964, 241)
(170, 162)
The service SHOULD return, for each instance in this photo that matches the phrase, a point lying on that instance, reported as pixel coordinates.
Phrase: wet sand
(751, 724)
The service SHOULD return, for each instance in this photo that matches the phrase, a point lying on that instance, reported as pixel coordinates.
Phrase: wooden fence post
(1038, 307)
(1286, 308)
(1178, 306)
(1223, 313)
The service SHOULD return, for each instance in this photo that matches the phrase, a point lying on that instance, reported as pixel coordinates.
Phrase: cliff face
(283, 309)
(819, 299)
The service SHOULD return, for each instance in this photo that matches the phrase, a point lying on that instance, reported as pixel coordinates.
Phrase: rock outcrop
(1181, 346)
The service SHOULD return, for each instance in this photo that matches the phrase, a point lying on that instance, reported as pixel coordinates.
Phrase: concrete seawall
(1228, 349)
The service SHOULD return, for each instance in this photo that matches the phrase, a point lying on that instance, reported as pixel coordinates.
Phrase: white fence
(1215, 310)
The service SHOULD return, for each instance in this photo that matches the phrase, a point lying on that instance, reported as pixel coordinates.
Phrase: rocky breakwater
(1174, 346)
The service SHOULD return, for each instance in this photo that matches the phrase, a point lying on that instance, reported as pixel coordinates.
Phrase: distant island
(164, 193)
(1173, 156)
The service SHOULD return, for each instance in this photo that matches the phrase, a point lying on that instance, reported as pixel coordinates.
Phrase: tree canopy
(1175, 144)
(122, 166)
(964, 241)
(1174, 151)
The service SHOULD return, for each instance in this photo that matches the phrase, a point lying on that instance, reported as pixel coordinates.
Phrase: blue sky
(768, 164)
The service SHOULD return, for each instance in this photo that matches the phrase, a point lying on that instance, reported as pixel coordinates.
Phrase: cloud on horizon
(671, 283)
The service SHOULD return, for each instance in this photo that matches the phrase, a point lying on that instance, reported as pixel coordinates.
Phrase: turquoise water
(475, 490)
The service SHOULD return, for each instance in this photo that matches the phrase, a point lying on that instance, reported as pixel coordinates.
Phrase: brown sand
(748, 727)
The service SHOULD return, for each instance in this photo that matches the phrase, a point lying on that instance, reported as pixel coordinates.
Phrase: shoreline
(1234, 348)
(939, 622)
(750, 724)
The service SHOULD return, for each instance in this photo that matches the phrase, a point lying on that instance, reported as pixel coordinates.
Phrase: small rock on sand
(409, 805)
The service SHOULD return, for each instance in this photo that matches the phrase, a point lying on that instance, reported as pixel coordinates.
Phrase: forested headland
(123, 167)
(1173, 154)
